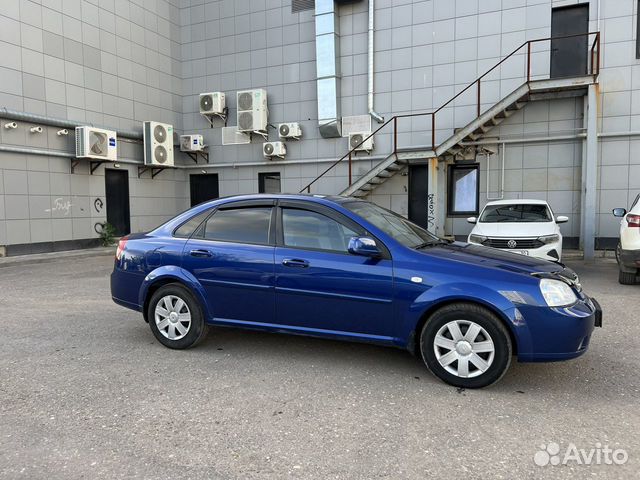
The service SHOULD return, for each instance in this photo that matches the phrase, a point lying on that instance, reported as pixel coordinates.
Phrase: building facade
(568, 136)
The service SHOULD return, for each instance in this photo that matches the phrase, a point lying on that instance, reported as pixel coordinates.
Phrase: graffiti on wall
(60, 205)
(431, 212)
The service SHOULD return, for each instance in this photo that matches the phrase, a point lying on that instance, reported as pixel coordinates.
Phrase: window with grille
(301, 5)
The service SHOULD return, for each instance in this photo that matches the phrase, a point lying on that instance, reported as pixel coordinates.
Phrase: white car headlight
(557, 293)
(473, 238)
(549, 239)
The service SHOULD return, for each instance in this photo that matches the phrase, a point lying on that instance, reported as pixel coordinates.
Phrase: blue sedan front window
(402, 230)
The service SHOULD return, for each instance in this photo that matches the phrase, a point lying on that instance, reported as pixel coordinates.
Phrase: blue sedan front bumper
(560, 333)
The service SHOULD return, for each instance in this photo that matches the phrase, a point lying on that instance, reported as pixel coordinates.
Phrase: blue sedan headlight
(557, 293)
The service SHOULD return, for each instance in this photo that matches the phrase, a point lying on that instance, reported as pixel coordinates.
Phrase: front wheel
(175, 317)
(626, 278)
(466, 346)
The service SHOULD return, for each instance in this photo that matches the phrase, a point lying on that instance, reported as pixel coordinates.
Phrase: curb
(55, 256)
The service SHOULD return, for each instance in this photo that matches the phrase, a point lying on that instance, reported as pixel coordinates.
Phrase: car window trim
(208, 211)
(241, 206)
(333, 215)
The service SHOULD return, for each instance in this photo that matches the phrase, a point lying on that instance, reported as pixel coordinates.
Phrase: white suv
(628, 251)
(527, 227)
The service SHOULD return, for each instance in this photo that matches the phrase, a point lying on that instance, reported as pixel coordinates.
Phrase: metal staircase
(478, 127)
(484, 121)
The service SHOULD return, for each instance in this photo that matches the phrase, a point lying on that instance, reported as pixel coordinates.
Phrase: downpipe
(370, 53)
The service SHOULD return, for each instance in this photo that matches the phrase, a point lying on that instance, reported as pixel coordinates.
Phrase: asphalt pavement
(87, 392)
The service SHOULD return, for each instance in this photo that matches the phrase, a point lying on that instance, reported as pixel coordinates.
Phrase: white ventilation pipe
(370, 53)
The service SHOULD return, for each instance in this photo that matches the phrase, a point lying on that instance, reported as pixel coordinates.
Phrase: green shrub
(107, 234)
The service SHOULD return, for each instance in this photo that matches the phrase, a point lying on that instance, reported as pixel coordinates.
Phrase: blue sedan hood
(491, 258)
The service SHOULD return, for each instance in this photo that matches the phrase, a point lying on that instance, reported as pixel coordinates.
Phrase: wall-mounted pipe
(328, 68)
(371, 64)
(60, 122)
(502, 155)
(55, 153)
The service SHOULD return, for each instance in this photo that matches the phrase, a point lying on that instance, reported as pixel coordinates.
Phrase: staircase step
(385, 174)
(394, 167)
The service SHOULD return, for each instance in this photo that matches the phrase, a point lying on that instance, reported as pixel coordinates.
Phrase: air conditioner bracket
(194, 156)
(154, 170)
(74, 164)
(94, 164)
(224, 116)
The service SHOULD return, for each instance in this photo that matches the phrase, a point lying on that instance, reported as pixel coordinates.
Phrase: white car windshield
(515, 213)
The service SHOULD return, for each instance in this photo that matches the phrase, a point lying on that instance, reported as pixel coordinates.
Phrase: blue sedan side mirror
(364, 246)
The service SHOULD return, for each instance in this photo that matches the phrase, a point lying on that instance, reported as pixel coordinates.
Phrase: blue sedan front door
(322, 288)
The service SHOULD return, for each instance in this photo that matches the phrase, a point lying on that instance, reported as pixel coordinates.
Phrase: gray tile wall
(85, 59)
(114, 63)
(119, 62)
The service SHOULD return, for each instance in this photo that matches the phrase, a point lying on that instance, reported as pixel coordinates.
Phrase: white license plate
(520, 252)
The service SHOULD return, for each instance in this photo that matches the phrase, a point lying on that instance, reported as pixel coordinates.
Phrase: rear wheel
(175, 317)
(466, 346)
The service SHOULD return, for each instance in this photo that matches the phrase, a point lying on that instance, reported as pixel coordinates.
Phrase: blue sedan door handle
(201, 252)
(295, 262)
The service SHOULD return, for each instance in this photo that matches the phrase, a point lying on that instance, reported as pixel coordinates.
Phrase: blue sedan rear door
(232, 258)
(320, 287)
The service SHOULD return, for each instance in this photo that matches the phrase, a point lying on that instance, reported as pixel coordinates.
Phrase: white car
(628, 251)
(527, 227)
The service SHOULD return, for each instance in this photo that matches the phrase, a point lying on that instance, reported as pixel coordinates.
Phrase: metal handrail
(594, 69)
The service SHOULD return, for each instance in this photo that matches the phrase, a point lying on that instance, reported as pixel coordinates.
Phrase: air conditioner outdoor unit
(191, 143)
(355, 142)
(158, 144)
(212, 103)
(290, 130)
(252, 110)
(96, 143)
(274, 149)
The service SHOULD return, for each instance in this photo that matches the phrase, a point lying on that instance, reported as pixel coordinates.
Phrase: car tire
(175, 317)
(466, 346)
(627, 278)
(618, 248)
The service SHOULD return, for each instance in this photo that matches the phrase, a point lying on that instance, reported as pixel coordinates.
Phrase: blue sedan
(347, 269)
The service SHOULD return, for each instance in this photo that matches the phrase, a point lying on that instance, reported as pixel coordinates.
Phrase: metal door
(117, 196)
(419, 194)
(569, 55)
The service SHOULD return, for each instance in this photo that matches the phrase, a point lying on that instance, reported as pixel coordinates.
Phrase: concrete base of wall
(47, 247)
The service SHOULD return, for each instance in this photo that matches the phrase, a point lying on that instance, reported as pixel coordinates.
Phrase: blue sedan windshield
(401, 229)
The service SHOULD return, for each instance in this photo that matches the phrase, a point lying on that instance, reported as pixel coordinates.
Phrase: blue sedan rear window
(240, 225)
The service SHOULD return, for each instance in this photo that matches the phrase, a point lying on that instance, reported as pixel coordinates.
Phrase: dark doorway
(419, 195)
(203, 188)
(569, 55)
(116, 184)
(269, 182)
